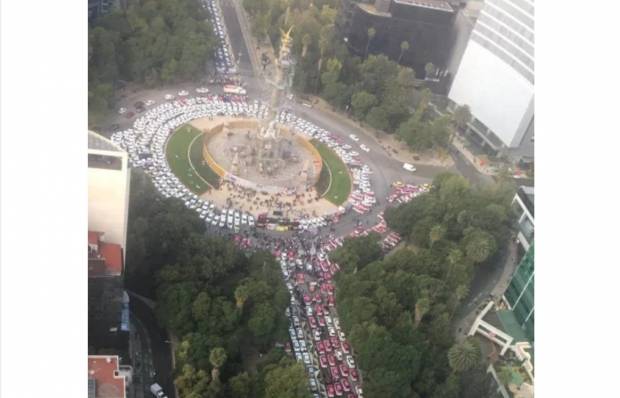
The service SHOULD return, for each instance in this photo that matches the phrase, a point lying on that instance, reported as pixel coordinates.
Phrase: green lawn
(181, 162)
(340, 187)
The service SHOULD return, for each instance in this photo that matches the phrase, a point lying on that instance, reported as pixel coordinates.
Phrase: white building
(108, 189)
(495, 77)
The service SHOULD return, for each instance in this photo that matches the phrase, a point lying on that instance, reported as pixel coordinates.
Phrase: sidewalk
(459, 144)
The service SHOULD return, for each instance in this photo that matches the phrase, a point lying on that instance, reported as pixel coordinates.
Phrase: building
(99, 7)
(523, 207)
(108, 200)
(108, 189)
(495, 77)
(106, 377)
(425, 24)
(508, 323)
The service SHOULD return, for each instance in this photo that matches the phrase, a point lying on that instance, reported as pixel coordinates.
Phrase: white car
(122, 111)
(202, 90)
(168, 97)
(183, 93)
(354, 137)
(350, 361)
(409, 167)
(149, 103)
(364, 148)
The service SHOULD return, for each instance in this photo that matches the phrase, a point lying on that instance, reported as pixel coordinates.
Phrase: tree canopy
(149, 42)
(398, 310)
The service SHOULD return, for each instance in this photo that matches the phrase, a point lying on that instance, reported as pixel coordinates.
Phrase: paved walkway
(494, 288)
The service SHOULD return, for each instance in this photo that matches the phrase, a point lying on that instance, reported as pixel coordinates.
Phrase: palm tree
(217, 357)
(437, 233)
(464, 356)
(404, 46)
(241, 295)
(422, 305)
(429, 68)
(371, 34)
(306, 40)
(461, 116)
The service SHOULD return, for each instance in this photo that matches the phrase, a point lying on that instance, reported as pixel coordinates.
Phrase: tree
(422, 306)
(377, 118)
(217, 357)
(465, 355)
(437, 233)
(430, 69)
(240, 385)
(404, 46)
(461, 116)
(287, 380)
(361, 102)
(371, 35)
(479, 245)
(306, 41)
(241, 295)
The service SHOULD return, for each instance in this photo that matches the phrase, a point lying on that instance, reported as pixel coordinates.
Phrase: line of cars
(315, 333)
(224, 59)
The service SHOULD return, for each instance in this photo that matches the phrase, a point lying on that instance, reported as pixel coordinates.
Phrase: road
(158, 343)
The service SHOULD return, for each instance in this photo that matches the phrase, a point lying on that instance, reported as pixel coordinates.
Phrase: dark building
(427, 25)
(98, 7)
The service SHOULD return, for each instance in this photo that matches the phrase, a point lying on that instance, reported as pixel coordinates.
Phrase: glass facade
(520, 294)
(506, 29)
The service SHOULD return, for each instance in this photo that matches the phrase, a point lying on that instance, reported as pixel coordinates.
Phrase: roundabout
(220, 158)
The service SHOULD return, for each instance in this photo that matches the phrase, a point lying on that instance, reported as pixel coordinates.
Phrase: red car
(318, 309)
(338, 389)
(306, 299)
(331, 301)
(323, 361)
(320, 347)
(327, 345)
(354, 375)
(317, 297)
(330, 391)
(346, 386)
(346, 348)
(321, 321)
(331, 359)
(344, 369)
(312, 322)
(335, 342)
(334, 372)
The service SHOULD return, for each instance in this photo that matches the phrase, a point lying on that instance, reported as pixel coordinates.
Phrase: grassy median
(184, 155)
(334, 182)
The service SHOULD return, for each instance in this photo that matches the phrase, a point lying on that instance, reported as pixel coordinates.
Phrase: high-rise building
(108, 189)
(495, 77)
(426, 25)
(520, 294)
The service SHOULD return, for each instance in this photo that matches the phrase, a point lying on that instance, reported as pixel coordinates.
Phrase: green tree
(306, 40)
(422, 306)
(371, 35)
(461, 116)
(287, 380)
(217, 357)
(377, 118)
(430, 69)
(465, 355)
(361, 102)
(404, 46)
(241, 295)
(240, 385)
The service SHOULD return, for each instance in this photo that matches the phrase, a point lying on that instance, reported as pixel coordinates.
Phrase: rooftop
(104, 260)
(96, 141)
(103, 373)
(439, 5)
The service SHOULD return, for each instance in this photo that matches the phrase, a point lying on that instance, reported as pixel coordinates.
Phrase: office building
(495, 77)
(425, 24)
(108, 189)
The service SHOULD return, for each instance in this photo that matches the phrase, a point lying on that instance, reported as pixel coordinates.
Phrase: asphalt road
(235, 37)
(160, 349)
